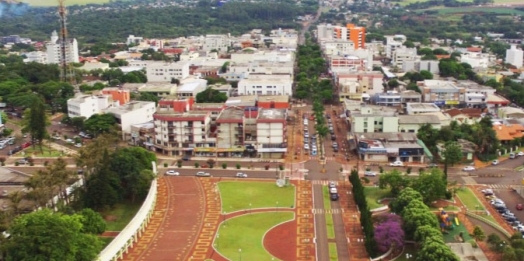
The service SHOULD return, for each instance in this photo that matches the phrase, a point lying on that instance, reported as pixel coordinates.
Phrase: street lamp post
(240, 254)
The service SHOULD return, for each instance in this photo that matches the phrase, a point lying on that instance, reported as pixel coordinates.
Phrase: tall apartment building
(218, 42)
(271, 133)
(183, 133)
(230, 132)
(54, 55)
(131, 113)
(515, 56)
(164, 72)
(350, 32)
(393, 42)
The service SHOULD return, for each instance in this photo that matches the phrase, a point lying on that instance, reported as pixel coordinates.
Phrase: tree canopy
(211, 95)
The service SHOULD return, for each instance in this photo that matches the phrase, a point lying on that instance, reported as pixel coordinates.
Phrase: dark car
(500, 207)
(510, 219)
(186, 158)
(333, 137)
(333, 196)
(502, 210)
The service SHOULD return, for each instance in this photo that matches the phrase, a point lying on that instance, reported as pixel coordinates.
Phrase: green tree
(424, 233)
(426, 75)
(35, 122)
(93, 153)
(99, 123)
(211, 95)
(404, 198)
(393, 83)
(435, 250)
(146, 96)
(478, 234)
(393, 180)
(415, 215)
(452, 155)
(431, 185)
(44, 235)
(92, 222)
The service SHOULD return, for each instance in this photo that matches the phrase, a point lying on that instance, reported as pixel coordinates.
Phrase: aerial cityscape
(284, 130)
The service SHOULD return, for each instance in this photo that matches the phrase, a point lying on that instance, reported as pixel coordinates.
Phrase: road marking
(499, 186)
(321, 211)
(323, 182)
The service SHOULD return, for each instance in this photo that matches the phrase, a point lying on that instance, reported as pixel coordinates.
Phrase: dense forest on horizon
(115, 25)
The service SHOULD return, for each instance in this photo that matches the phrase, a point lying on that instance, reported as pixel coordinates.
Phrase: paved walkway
(357, 250)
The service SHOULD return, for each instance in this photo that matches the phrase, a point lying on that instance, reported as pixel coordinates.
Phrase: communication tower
(66, 71)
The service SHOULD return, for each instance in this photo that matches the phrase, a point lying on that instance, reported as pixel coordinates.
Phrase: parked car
(78, 145)
(203, 174)
(241, 175)
(506, 215)
(332, 184)
(22, 161)
(70, 141)
(512, 155)
(520, 153)
(186, 158)
(502, 210)
(370, 174)
(172, 173)
(397, 163)
(495, 162)
(519, 227)
(468, 168)
(519, 206)
(510, 219)
(333, 197)
(487, 192)
(333, 137)
(335, 144)
(306, 146)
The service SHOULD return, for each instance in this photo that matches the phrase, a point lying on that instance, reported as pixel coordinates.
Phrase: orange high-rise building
(356, 34)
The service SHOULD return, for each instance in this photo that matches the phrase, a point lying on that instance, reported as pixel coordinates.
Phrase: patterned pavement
(351, 217)
(305, 222)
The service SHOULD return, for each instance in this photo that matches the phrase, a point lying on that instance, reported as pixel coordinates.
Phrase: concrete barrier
(383, 256)
(133, 231)
(488, 222)
(379, 209)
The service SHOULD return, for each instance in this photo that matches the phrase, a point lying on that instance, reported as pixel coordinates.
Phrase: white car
(495, 162)
(520, 153)
(306, 146)
(70, 141)
(468, 168)
(241, 175)
(78, 145)
(172, 173)
(370, 174)
(518, 227)
(397, 163)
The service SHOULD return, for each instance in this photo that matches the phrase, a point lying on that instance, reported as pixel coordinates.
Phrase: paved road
(321, 239)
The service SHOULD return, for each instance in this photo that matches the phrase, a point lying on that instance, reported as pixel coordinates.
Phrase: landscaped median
(472, 203)
(329, 217)
(237, 196)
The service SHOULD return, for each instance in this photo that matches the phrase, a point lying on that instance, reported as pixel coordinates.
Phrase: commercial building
(273, 102)
(350, 32)
(393, 42)
(514, 56)
(271, 129)
(374, 119)
(411, 123)
(165, 72)
(54, 54)
(131, 113)
(402, 54)
(191, 88)
(216, 42)
(441, 92)
(266, 85)
(424, 65)
(390, 147)
(184, 133)
(417, 108)
(476, 95)
(230, 132)
(88, 105)
(37, 56)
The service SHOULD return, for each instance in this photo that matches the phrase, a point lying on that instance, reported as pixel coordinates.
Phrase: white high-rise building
(54, 55)
(515, 56)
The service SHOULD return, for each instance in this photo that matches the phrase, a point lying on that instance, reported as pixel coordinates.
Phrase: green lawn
(497, 10)
(120, 215)
(239, 195)
(47, 152)
(246, 233)
(469, 199)
(106, 241)
(373, 194)
(333, 256)
(408, 249)
(450, 236)
(329, 217)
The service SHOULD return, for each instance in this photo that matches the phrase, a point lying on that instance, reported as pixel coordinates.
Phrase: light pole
(240, 254)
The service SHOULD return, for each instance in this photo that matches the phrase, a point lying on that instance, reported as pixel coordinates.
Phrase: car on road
(468, 168)
(241, 175)
(335, 144)
(487, 192)
(495, 162)
(306, 135)
(172, 173)
(203, 174)
(333, 137)
(306, 146)
(333, 190)
(333, 197)
(520, 153)
(519, 206)
(512, 155)
(332, 184)
(370, 174)
(518, 227)
(397, 163)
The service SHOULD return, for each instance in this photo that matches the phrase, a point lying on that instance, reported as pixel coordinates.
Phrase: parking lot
(510, 198)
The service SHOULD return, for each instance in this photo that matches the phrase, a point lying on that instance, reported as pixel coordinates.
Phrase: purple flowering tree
(389, 233)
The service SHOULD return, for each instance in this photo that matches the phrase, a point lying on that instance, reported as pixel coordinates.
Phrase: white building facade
(266, 85)
(164, 72)
(132, 113)
(54, 55)
(88, 105)
(515, 56)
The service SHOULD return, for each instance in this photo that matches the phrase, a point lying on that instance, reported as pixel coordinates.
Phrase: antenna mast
(66, 74)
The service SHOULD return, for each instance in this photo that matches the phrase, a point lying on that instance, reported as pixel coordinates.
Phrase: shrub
(473, 243)
(365, 179)
(281, 167)
(197, 165)
(46, 162)
(165, 165)
(2, 163)
(2, 159)
(408, 170)
(211, 163)
(368, 169)
(16, 163)
(266, 167)
(31, 163)
(380, 169)
(224, 165)
(179, 163)
(238, 166)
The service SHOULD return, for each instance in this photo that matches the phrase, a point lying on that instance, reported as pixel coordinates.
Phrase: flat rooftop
(131, 106)
(387, 137)
(231, 114)
(188, 87)
(270, 80)
(156, 87)
(244, 100)
(273, 98)
(272, 114)
(418, 119)
(423, 106)
(438, 84)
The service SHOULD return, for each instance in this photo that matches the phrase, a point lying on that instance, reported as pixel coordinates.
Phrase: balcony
(188, 127)
(171, 127)
(172, 134)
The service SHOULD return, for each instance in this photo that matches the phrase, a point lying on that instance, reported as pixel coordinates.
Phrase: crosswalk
(318, 158)
(320, 211)
(323, 182)
(499, 186)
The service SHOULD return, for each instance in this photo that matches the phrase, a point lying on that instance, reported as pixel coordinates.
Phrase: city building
(242, 101)
(441, 92)
(143, 134)
(191, 88)
(350, 32)
(14, 39)
(418, 108)
(186, 133)
(393, 42)
(159, 89)
(37, 56)
(134, 40)
(390, 147)
(118, 94)
(176, 104)
(226, 89)
(515, 56)
(476, 95)
(273, 102)
(465, 116)
(54, 55)
(402, 54)
(424, 65)
(216, 42)
(266, 85)
(359, 85)
(213, 108)
(230, 132)
(166, 71)
(88, 105)
(374, 119)
(337, 47)
(411, 123)
(508, 132)
(271, 128)
(131, 113)
(476, 59)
